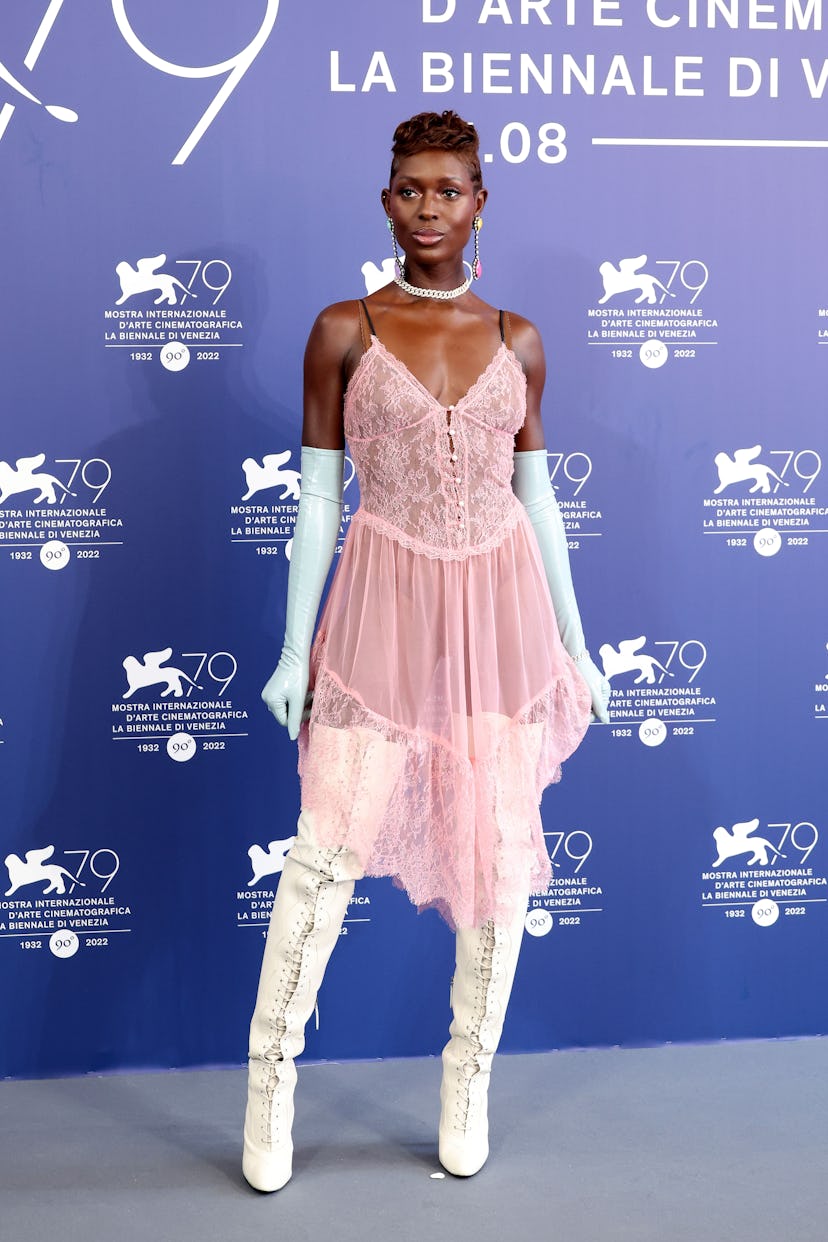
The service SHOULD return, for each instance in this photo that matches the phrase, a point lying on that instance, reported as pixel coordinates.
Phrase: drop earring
(397, 259)
(477, 269)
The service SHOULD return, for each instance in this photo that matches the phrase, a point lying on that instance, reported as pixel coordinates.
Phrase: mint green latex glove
(531, 485)
(314, 544)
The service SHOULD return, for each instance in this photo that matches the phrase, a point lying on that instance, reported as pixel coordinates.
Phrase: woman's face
(432, 201)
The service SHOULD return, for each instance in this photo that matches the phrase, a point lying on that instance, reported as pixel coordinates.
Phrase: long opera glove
(532, 486)
(314, 544)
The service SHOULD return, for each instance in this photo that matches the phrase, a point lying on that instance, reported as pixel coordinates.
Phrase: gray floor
(700, 1143)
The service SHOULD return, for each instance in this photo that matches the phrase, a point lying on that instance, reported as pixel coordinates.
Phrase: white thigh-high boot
(311, 902)
(485, 969)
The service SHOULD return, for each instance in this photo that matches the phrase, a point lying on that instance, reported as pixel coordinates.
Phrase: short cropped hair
(438, 131)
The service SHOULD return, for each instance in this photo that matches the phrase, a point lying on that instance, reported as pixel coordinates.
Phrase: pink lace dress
(444, 702)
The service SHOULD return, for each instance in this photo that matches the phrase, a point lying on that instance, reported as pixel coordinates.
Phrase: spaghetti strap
(506, 329)
(364, 322)
(367, 315)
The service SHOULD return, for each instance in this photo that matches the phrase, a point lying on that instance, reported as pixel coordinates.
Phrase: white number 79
(235, 67)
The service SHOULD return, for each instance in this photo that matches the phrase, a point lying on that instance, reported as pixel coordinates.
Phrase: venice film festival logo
(159, 315)
(163, 704)
(658, 317)
(767, 871)
(254, 904)
(378, 277)
(655, 687)
(569, 473)
(266, 523)
(764, 499)
(56, 511)
(573, 893)
(44, 906)
(232, 69)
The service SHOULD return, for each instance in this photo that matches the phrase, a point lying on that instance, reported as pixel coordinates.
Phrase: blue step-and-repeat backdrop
(184, 183)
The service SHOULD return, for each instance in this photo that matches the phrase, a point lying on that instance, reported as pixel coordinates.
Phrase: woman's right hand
(286, 692)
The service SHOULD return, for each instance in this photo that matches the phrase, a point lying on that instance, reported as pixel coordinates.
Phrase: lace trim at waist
(413, 544)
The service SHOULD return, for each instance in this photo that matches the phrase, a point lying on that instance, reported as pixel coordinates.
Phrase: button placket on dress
(456, 476)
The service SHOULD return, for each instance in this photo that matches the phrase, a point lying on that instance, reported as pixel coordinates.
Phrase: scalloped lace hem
(460, 833)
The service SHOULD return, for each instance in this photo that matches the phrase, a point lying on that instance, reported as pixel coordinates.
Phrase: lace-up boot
(485, 969)
(311, 902)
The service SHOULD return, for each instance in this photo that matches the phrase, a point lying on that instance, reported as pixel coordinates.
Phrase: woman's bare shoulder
(526, 342)
(524, 332)
(339, 321)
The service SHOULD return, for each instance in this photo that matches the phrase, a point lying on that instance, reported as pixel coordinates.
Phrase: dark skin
(446, 345)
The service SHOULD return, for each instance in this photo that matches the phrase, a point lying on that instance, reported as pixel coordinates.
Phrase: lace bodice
(436, 480)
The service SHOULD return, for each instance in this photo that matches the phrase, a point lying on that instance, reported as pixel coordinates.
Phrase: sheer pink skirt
(443, 705)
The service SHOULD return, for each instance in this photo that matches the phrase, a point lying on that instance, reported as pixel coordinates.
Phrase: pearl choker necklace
(441, 294)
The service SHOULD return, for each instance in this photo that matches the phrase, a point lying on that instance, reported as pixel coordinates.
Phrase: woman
(449, 674)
